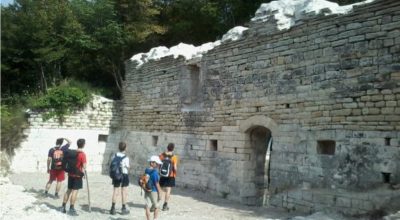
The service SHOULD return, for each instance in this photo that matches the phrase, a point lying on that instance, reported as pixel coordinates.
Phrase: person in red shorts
(54, 165)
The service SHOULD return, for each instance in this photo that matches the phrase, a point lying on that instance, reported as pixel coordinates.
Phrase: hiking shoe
(165, 207)
(73, 212)
(125, 211)
(112, 211)
(63, 210)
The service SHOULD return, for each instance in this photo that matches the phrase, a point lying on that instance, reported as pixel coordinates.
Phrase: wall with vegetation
(94, 123)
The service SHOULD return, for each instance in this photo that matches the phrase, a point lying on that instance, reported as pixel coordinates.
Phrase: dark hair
(171, 147)
(122, 146)
(59, 141)
(81, 143)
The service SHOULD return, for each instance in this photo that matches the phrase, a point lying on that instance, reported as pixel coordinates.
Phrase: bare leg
(115, 194)
(58, 187)
(156, 213)
(74, 196)
(147, 213)
(167, 194)
(66, 196)
(48, 185)
(124, 194)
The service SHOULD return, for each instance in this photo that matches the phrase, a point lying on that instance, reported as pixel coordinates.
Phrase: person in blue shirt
(152, 198)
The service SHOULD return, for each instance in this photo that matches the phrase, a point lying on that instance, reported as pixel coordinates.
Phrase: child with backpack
(168, 171)
(120, 179)
(54, 165)
(152, 190)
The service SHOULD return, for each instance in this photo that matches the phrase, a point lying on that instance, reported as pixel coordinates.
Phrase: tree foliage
(46, 41)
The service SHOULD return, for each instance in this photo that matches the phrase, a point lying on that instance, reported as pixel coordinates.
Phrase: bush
(13, 122)
(62, 100)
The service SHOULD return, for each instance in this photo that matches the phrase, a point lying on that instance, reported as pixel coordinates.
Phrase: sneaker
(112, 211)
(165, 207)
(56, 196)
(63, 210)
(125, 211)
(73, 212)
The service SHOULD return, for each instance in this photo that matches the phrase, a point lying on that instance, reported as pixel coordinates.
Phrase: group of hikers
(156, 180)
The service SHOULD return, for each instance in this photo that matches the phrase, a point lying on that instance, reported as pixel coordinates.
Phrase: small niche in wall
(386, 177)
(258, 108)
(154, 141)
(213, 145)
(387, 141)
(102, 138)
(326, 147)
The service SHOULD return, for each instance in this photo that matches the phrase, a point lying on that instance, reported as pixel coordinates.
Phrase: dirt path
(185, 204)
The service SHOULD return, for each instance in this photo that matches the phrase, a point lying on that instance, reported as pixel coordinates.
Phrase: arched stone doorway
(259, 139)
(260, 130)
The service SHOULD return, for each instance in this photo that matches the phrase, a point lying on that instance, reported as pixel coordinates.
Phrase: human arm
(48, 164)
(158, 191)
(67, 145)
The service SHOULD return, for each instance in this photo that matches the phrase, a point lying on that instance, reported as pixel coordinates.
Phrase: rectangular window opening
(386, 177)
(326, 147)
(387, 141)
(258, 108)
(102, 138)
(213, 145)
(191, 88)
(155, 141)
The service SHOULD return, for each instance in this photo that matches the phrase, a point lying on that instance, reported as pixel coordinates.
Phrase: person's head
(122, 146)
(59, 141)
(80, 143)
(154, 161)
(171, 147)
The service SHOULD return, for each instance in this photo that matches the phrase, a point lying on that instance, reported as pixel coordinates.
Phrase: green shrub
(13, 122)
(62, 100)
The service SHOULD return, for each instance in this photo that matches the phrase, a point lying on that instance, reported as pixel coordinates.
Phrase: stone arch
(259, 120)
(259, 131)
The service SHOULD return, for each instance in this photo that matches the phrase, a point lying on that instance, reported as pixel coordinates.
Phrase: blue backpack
(116, 168)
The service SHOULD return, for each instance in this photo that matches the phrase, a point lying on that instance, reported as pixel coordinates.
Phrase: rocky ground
(27, 201)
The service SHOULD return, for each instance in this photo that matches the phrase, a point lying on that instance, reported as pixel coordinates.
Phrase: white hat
(155, 159)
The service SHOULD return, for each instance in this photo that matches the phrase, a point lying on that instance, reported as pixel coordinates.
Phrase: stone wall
(327, 92)
(94, 123)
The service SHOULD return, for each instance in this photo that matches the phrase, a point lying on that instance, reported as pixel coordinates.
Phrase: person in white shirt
(123, 183)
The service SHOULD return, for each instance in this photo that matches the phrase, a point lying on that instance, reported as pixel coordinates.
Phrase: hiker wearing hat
(152, 198)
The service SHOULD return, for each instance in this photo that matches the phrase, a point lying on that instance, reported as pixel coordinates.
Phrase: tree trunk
(43, 79)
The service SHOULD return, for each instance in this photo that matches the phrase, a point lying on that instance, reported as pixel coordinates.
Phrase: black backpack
(115, 168)
(57, 159)
(166, 167)
(70, 161)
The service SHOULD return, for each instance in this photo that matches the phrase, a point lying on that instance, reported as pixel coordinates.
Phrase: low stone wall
(94, 123)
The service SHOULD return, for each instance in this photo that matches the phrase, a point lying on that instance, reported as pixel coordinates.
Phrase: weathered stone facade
(327, 92)
(94, 123)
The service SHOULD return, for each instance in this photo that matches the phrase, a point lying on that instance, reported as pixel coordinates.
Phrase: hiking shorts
(167, 181)
(58, 175)
(75, 183)
(124, 182)
(151, 200)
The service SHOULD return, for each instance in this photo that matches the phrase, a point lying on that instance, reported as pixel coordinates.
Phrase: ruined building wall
(326, 90)
(94, 123)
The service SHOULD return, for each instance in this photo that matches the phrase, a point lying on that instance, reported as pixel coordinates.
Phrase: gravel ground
(185, 204)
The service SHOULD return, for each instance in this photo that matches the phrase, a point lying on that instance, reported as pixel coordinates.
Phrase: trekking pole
(88, 191)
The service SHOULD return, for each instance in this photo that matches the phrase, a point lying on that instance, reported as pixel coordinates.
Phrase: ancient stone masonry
(305, 118)
(94, 123)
